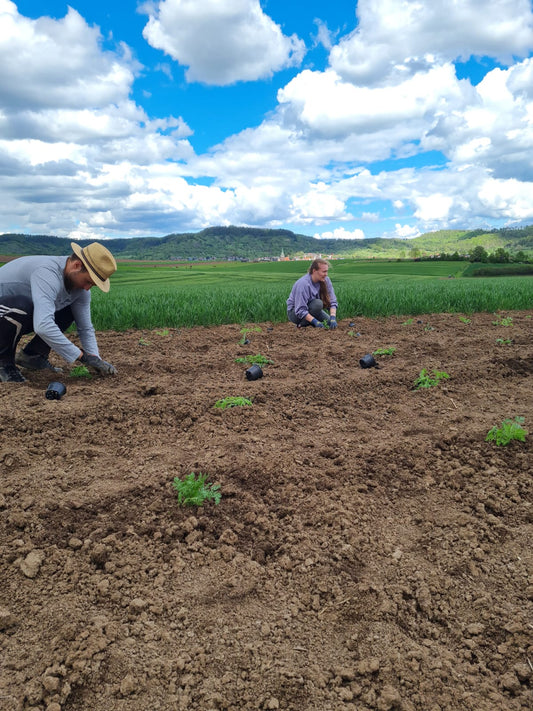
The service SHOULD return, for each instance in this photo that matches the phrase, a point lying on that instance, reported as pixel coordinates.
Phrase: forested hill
(253, 243)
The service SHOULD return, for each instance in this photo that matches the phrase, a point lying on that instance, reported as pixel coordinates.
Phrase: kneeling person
(45, 295)
(311, 297)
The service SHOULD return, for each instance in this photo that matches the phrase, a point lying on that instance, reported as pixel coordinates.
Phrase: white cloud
(221, 42)
(79, 157)
(404, 232)
(341, 233)
(394, 39)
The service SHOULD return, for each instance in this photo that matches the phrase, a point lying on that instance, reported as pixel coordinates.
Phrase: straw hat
(98, 261)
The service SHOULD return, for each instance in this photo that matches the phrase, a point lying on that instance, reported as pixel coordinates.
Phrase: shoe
(35, 362)
(11, 374)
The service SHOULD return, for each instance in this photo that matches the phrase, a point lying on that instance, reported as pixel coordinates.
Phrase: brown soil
(370, 551)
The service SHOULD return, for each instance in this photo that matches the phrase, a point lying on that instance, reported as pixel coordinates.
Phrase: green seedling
(163, 332)
(508, 321)
(80, 371)
(232, 401)
(258, 359)
(143, 342)
(408, 322)
(246, 331)
(193, 490)
(428, 328)
(464, 319)
(385, 351)
(508, 430)
(425, 380)
(504, 341)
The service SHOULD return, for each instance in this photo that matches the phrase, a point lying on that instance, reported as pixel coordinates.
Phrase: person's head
(319, 270)
(89, 266)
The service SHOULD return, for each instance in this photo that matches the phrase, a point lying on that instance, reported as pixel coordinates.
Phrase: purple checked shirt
(304, 291)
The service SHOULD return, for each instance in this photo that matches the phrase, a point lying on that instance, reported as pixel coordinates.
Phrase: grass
(166, 297)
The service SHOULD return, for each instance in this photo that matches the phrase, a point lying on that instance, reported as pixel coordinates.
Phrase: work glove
(93, 361)
(315, 323)
(332, 322)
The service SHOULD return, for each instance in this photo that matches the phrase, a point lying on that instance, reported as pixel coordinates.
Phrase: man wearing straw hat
(45, 295)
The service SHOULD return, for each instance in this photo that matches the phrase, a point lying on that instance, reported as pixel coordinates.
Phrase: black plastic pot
(254, 372)
(55, 391)
(368, 361)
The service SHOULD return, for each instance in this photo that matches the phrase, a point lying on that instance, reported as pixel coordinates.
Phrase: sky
(376, 118)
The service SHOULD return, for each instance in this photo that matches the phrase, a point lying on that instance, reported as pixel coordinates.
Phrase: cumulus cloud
(394, 39)
(221, 42)
(78, 156)
(341, 233)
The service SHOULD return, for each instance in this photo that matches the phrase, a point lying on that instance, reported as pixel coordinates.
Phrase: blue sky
(377, 118)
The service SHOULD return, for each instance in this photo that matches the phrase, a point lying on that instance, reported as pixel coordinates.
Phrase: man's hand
(93, 361)
(315, 323)
(332, 322)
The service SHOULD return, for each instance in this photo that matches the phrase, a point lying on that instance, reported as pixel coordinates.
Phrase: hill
(253, 243)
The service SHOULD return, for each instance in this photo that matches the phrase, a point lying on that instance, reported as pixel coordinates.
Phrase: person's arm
(302, 296)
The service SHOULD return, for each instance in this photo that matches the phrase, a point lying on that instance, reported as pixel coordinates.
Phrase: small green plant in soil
(464, 319)
(425, 380)
(194, 490)
(507, 321)
(233, 401)
(246, 331)
(385, 351)
(143, 342)
(80, 371)
(507, 432)
(504, 341)
(163, 332)
(408, 322)
(255, 359)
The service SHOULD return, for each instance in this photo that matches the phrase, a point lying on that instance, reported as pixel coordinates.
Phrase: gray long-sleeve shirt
(303, 291)
(41, 279)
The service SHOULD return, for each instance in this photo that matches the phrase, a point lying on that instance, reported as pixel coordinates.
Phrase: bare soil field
(371, 551)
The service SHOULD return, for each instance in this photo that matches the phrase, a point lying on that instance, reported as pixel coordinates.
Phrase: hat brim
(78, 251)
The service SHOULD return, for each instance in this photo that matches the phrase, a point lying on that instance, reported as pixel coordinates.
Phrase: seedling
(385, 351)
(232, 401)
(325, 324)
(428, 328)
(246, 331)
(80, 371)
(508, 321)
(509, 430)
(193, 490)
(163, 332)
(463, 319)
(425, 380)
(504, 341)
(259, 359)
(143, 342)
(352, 333)
(408, 322)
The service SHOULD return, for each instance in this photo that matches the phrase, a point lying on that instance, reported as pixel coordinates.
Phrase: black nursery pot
(368, 361)
(55, 391)
(254, 372)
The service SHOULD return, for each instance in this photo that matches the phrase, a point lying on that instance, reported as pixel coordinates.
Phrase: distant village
(281, 258)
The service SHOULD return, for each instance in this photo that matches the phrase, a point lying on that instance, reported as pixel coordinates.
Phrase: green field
(156, 295)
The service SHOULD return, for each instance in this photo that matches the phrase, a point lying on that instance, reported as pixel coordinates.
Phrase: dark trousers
(315, 308)
(16, 320)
